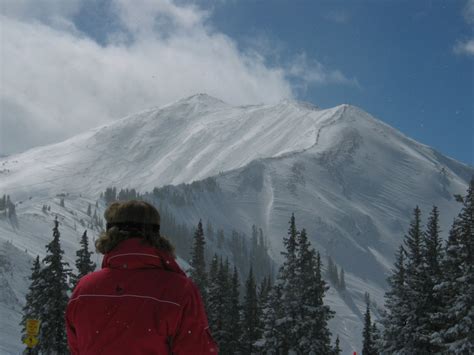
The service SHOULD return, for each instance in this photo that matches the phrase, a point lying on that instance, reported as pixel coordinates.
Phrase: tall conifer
(456, 287)
(368, 347)
(198, 262)
(234, 322)
(84, 264)
(250, 316)
(55, 275)
(395, 304)
(433, 254)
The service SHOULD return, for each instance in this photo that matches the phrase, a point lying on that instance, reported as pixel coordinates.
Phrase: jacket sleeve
(193, 335)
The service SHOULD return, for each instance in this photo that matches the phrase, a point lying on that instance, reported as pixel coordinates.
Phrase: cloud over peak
(58, 81)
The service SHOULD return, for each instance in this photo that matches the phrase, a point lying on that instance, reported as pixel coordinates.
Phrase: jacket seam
(120, 296)
(141, 254)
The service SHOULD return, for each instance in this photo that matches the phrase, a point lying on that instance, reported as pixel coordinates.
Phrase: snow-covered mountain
(351, 180)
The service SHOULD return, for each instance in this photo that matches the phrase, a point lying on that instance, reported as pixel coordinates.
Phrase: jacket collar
(134, 254)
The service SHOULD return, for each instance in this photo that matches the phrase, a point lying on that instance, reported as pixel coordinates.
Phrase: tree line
(429, 306)
(281, 317)
(242, 250)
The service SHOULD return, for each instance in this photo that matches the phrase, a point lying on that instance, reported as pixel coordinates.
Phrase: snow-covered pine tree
(322, 340)
(288, 278)
(84, 264)
(311, 331)
(198, 262)
(234, 322)
(337, 347)
(368, 346)
(214, 299)
(415, 339)
(376, 338)
(272, 338)
(395, 306)
(432, 255)
(457, 285)
(264, 291)
(342, 280)
(89, 210)
(34, 298)
(250, 316)
(224, 334)
(55, 275)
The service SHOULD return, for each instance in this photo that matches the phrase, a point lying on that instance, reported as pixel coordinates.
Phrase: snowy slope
(351, 180)
(354, 191)
(185, 141)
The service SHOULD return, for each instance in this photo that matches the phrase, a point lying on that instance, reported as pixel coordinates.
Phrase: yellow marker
(32, 326)
(30, 341)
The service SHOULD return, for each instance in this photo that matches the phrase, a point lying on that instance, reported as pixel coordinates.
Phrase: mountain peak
(202, 98)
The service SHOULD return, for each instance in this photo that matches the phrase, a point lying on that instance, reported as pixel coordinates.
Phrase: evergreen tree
(234, 323)
(219, 300)
(55, 297)
(376, 338)
(89, 210)
(250, 319)
(337, 348)
(456, 287)
(34, 298)
(342, 280)
(264, 291)
(312, 332)
(214, 303)
(368, 347)
(198, 262)
(273, 333)
(433, 254)
(84, 263)
(295, 316)
(225, 278)
(415, 340)
(394, 319)
(322, 340)
(288, 278)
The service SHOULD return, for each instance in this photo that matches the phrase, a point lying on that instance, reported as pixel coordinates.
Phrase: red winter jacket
(139, 303)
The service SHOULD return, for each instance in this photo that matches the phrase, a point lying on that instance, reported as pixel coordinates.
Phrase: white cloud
(469, 11)
(313, 72)
(467, 46)
(57, 82)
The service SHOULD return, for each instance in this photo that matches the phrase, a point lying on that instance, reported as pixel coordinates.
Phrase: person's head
(132, 219)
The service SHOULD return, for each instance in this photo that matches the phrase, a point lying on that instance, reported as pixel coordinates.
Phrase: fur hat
(132, 219)
(131, 213)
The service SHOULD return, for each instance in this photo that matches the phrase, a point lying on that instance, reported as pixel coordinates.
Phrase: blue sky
(409, 63)
(400, 52)
(400, 56)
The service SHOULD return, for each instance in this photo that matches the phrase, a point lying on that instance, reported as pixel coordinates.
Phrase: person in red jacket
(140, 302)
